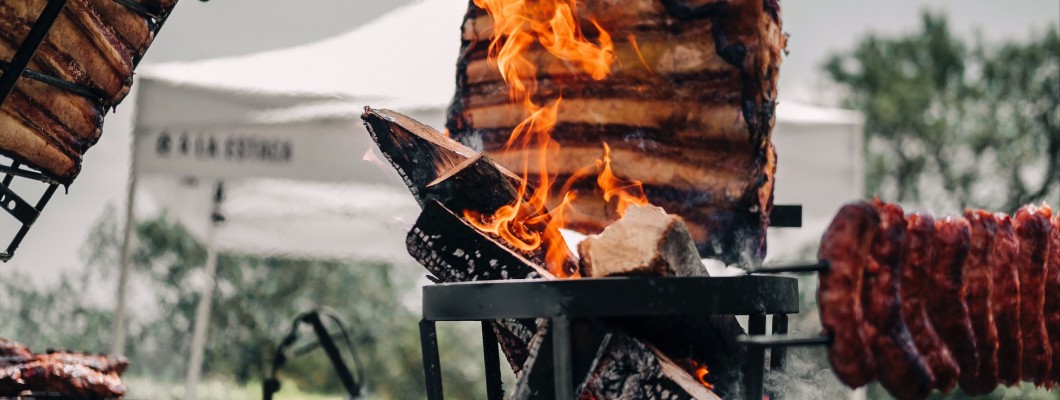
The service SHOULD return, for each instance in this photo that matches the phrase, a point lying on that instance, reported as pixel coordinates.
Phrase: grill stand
(565, 300)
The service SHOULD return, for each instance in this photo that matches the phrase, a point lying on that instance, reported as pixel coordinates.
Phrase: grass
(213, 389)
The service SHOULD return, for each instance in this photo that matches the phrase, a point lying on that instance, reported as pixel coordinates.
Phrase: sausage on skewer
(899, 366)
(948, 312)
(1005, 302)
(915, 272)
(979, 282)
(1032, 227)
(845, 246)
(1052, 299)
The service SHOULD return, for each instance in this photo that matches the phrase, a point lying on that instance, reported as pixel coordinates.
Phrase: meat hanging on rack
(972, 290)
(59, 372)
(90, 51)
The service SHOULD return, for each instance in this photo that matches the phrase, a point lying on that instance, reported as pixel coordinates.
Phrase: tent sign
(321, 153)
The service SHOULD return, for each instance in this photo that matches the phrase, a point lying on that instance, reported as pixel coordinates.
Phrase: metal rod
(819, 266)
(432, 369)
(562, 371)
(53, 81)
(491, 357)
(754, 369)
(137, 8)
(202, 310)
(29, 46)
(12, 171)
(775, 341)
(777, 354)
(332, 351)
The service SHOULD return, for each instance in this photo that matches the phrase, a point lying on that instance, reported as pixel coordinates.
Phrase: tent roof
(405, 56)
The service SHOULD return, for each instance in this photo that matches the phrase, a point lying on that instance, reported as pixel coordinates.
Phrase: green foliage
(951, 124)
(255, 301)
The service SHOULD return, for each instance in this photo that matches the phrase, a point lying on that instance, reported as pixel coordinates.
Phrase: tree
(950, 124)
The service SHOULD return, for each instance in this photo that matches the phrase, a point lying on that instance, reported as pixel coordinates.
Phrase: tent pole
(202, 310)
(117, 341)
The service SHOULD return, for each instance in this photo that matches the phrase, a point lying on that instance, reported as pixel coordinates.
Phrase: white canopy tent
(292, 114)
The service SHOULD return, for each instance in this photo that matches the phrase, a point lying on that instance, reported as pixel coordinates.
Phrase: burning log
(454, 251)
(694, 84)
(443, 174)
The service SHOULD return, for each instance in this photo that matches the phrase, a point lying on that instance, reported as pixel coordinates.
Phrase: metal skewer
(819, 266)
(784, 340)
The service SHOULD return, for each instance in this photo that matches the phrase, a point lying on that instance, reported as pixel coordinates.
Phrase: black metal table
(562, 300)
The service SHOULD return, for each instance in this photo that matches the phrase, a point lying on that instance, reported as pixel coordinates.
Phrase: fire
(517, 26)
(626, 193)
(701, 374)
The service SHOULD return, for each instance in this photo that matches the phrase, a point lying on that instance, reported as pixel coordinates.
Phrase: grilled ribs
(93, 43)
(688, 111)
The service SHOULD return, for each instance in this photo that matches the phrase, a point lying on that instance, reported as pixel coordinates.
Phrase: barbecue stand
(13, 203)
(566, 299)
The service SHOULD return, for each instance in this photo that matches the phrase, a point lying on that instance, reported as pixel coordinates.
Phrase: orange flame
(517, 26)
(701, 374)
(627, 193)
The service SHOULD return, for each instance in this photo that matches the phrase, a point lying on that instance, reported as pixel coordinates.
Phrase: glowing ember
(701, 374)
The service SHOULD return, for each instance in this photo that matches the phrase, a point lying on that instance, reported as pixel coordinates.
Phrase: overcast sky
(231, 27)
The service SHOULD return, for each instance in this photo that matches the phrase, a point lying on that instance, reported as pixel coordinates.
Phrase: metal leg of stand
(491, 356)
(777, 354)
(562, 370)
(754, 369)
(432, 368)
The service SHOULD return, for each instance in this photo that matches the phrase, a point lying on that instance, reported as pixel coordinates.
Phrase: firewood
(454, 251)
(436, 168)
(619, 367)
(646, 241)
(419, 153)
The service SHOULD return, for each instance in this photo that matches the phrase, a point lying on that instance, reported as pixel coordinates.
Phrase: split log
(454, 251)
(646, 241)
(693, 81)
(436, 168)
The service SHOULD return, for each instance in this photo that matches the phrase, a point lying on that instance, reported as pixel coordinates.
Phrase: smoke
(805, 376)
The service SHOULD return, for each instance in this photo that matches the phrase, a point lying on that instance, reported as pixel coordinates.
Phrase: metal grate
(755, 296)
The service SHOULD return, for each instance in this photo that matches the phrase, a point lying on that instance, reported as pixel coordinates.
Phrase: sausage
(845, 246)
(946, 293)
(899, 367)
(1032, 228)
(1005, 302)
(979, 282)
(915, 272)
(1052, 299)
